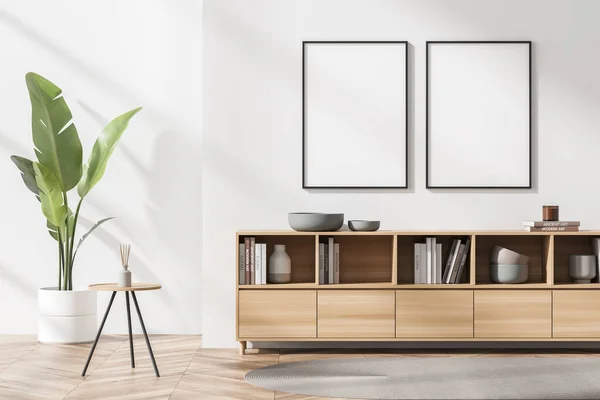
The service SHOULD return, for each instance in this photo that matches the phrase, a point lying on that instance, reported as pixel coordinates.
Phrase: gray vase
(124, 278)
(582, 268)
(280, 266)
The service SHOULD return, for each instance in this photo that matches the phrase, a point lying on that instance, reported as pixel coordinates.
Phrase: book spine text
(417, 263)
(554, 229)
(252, 261)
(247, 259)
(242, 263)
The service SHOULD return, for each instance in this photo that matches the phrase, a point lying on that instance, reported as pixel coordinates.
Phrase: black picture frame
(407, 86)
(427, 115)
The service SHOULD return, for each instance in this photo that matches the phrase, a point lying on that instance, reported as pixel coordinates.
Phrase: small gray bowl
(315, 222)
(362, 225)
(502, 255)
(509, 273)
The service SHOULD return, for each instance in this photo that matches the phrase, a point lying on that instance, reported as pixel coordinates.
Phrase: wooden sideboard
(376, 299)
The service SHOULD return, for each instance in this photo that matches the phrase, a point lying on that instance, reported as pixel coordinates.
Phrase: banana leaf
(102, 150)
(27, 173)
(70, 222)
(97, 224)
(57, 144)
(51, 196)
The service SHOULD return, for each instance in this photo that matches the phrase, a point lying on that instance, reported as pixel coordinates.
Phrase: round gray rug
(436, 378)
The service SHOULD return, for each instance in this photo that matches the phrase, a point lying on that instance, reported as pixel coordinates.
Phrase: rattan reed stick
(125, 251)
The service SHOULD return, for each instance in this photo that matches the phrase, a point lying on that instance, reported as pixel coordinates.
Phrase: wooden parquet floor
(29, 370)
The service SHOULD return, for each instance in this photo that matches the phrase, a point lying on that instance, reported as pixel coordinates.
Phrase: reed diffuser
(125, 274)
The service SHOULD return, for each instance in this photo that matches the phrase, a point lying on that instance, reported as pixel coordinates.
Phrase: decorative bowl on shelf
(502, 255)
(582, 268)
(315, 222)
(363, 225)
(509, 273)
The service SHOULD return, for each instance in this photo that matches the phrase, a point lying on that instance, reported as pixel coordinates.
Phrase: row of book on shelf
(329, 262)
(252, 262)
(551, 226)
(429, 265)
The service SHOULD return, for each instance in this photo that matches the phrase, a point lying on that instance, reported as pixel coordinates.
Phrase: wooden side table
(114, 288)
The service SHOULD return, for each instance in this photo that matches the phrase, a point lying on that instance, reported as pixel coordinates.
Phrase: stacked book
(252, 262)
(551, 226)
(428, 261)
(329, 262)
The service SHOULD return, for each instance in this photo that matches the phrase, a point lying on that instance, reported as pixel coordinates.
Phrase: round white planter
(66, 316)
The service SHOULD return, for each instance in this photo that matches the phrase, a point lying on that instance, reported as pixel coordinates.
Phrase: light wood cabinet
(356, 314)
(576, 314)
(377, 299)
(513, 314)
(273, 314)
(434, 314)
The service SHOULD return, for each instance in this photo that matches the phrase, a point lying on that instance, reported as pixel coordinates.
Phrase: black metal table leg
(130, 335)
(145, 333)
(99, 332)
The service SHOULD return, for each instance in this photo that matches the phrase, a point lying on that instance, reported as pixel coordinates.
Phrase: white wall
(252, 121)
(109, 56)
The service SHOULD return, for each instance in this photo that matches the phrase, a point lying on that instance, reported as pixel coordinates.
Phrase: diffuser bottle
(124, 278)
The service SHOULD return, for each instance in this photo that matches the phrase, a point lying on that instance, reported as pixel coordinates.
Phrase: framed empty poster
(478, 126)
(354, 115)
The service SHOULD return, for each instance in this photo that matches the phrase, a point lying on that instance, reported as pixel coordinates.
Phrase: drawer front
(273, 314)
(356, 313)
(576, 314)
(513, 314)
(434, 314)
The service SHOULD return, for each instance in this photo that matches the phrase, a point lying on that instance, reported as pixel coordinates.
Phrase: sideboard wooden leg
(243, 348)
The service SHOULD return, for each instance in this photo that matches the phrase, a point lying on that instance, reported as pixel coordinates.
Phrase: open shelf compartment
(564, 246)
(406, 257)
(300, 248)
(536, 247)
(364, 259)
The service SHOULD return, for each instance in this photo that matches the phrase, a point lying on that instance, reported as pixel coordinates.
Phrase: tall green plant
(59, 167)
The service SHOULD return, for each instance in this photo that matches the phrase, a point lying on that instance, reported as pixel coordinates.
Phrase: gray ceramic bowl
(315, 222)
(502, 255)
(509, 273)
(362, 225)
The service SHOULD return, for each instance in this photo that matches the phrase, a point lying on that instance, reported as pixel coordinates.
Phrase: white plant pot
(66, 316)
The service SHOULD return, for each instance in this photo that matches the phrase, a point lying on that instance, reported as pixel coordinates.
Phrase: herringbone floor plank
(33, 371)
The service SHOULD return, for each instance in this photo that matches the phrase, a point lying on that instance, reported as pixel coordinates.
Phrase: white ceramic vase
(124, 278)
(280, 266)
(66, 316)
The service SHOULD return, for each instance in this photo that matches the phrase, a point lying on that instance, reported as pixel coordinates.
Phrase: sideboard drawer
(513, 314)
(576, 314)
(434, 314)
(272, 314)
(356, 313)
